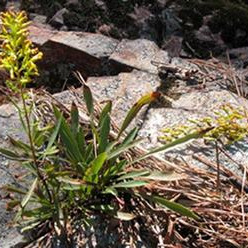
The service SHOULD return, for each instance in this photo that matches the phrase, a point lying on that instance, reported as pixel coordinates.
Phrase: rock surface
(9, 125)
(88, 52)
(138, 54)
(194, 105)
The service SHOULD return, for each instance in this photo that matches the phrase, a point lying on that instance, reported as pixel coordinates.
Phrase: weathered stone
(40, 34)
(173, 46)
(193, 105)
(138, 54)
(88, 52)
(58, 19)
(9, 125)
(95, 45)
(38, 19)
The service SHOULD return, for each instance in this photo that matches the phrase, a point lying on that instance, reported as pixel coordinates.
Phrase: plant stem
(32, 145)
(218, 164)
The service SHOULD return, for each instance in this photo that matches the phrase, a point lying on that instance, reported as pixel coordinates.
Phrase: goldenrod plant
(74, 168)
(228, 125)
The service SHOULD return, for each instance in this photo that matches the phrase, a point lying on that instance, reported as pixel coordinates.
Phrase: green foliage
(228, 125)
(73, 168)
(83, 174)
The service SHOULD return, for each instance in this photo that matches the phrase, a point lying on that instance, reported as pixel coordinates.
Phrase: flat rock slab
(194, 105)
(96, 45)
(9, 125)
(88, 52)
(138, 54)
(40, 34)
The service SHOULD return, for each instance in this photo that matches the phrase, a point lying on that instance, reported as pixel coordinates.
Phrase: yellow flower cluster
(229, 125)
(17, 54)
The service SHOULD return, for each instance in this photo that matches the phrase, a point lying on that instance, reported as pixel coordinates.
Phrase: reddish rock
(40, 34)
(138, 54)
(88, 52)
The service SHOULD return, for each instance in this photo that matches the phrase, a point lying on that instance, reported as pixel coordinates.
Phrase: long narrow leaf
(13, 189)
(19, 144)
(80, 138)
(131, 136)
(29, 193)
(176, 207)
(166, 177)
(68, 138)
(130, 184)
(76, 182)
(54, 134)
(104, 133)
(106, 110)
(173, 145)
(74, 118)
(95, 167)
(134, 174)
(136, 108)
(88, 99)
(11, 155)
(123, 148)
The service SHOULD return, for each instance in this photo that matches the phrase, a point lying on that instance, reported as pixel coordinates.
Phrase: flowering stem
(32, 144)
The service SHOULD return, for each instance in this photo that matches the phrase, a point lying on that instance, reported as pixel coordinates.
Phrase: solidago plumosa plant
(74, 168)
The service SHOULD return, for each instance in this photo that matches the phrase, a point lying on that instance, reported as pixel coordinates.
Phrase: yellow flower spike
(17, 56)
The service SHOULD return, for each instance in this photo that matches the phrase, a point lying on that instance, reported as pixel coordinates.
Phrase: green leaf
(11, 155)
(74, 118)
(94, 168)
(72, 187)
(131, 136)
(89, 153)
(29, 193)
(176, 207)
(104, 133)
(68, 139)
(31, 225)
(130, 184)
(106, 110)
(76, 182)
(80, 138)
(88, 99)
(19, 144)
(124, 216)
(167, 177)
(48, 152)
(123, 148)
(173, 145)
(54, 134)
(134, 174)
(136, 108)
(114, 169)
(13, 189)
(111, 190)
(98, 162)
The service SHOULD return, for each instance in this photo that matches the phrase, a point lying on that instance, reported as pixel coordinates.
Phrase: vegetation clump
(76, 170)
